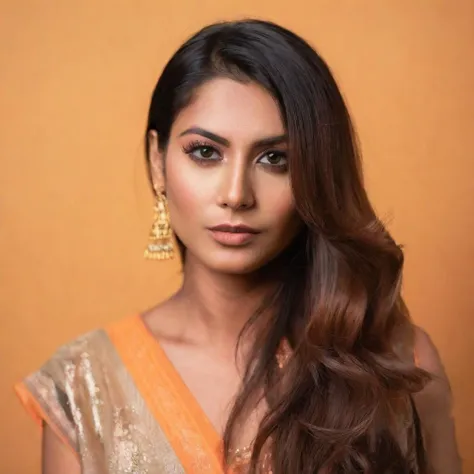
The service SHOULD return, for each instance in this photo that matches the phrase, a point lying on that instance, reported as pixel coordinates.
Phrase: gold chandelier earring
(160, 245)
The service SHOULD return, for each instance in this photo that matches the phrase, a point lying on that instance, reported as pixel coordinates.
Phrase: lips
(235, 229)
(233, 235)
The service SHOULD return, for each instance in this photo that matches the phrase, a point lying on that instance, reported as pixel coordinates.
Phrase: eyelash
(196, 145)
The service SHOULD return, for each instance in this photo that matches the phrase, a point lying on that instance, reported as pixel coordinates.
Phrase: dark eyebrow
(270, 141)
(264, 142)
(206, 134)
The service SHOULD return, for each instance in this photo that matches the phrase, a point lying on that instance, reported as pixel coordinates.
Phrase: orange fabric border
(167, 397)
(38, 414)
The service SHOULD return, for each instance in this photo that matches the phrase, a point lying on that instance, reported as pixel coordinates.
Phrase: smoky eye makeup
(206, 153)
(201, 151)
(275, 160)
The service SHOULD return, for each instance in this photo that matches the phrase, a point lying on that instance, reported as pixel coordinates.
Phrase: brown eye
(201, 152)
(206, 152)
(274, 158)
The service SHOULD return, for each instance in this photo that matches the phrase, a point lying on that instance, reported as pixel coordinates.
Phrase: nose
(236, 190)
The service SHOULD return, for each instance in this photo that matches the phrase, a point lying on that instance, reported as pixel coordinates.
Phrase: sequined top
(114, 398)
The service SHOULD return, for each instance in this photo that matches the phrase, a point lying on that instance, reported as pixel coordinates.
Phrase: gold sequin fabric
(89, 396)
(91, 399)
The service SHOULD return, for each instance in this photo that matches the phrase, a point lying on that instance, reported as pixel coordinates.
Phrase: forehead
(233, 110)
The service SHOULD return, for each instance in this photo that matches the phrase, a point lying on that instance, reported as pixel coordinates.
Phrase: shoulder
(46, 393)
(64, 389)
(434, 405)
(426, 353)
(94, 342)
(92, 348)
(74, 350)
(436, 395)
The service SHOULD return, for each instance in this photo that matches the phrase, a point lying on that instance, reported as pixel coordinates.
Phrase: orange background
(75, 209)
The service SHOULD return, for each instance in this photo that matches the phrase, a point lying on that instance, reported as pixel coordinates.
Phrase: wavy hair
(342, 403)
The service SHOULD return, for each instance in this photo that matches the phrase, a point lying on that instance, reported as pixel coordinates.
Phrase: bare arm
(434, 406)
(57, 457)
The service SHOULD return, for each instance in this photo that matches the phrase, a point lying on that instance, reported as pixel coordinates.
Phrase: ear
(156, 162)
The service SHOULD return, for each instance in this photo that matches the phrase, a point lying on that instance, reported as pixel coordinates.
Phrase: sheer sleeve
(46, 395)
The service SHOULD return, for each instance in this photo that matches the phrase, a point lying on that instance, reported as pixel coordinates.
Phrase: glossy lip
(233, 235)
(235, 229)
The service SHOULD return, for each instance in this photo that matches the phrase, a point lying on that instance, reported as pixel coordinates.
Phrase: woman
(288, 348)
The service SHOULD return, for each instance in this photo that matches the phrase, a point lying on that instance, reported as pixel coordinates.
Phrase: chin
(234, 262)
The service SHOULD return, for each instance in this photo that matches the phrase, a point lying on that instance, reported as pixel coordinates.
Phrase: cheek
(181, 198)
(276, 200)
(186, 195)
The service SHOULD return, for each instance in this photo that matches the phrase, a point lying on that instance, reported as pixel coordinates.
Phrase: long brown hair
(345, 404)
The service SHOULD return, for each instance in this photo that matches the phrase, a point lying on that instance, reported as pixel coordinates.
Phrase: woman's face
(226, 178)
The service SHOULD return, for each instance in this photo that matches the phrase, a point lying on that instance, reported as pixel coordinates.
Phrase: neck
(217, 306)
